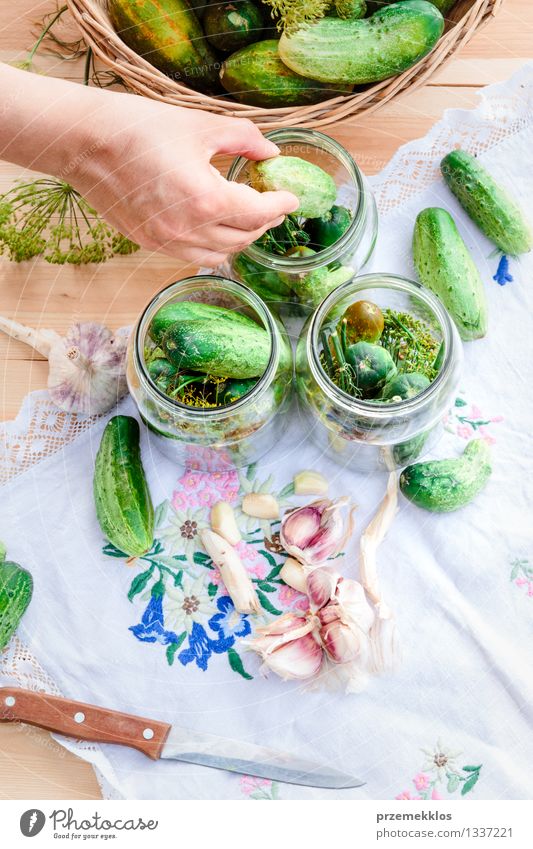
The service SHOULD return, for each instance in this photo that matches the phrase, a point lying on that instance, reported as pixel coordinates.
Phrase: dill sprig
(287, 235)
(49, 218)
(410, 343)
(291, 15)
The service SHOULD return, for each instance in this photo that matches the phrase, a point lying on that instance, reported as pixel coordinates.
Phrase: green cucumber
(16, 588)
(372, 366)
(230, 26)
(445, 266)
(261, 279)
(404, 386)
(366, 50)
(443, 6)
(187, 310)
(236, 389)
(329, 228)
(445, 485)
(255, 75)
(161, 367)
(217, 349)
(488, 204)
(123, 504)
(167, 33)
(315, 188)
(313, 287)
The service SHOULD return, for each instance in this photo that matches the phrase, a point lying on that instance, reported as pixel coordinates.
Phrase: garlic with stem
(223, 522)
(313, 533)
(86, 367)
(236, 579)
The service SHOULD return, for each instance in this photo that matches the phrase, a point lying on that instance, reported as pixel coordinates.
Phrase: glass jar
(218, 438)
(308, 279)
(368, 435)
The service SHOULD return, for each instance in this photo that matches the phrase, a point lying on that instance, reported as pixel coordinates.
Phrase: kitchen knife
(160, 740)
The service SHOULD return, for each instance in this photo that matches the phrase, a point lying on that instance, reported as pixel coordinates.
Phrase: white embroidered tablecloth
(455, 720)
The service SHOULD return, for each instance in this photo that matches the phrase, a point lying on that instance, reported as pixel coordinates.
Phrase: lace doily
(40, 429)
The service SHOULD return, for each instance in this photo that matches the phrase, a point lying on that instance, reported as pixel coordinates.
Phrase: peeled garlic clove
(321, 585)
(223, 522)
(294, 574)
(341, 642)
(236, 579)
(310, 483)
(260, 505)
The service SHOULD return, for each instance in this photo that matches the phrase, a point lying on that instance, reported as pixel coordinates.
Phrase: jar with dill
(210, 370)
(377, 367)
(295, 265)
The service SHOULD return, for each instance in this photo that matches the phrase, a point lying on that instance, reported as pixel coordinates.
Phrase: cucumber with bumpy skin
(366, 50)
(372, 365)
(16, 588)
(445, 485)
(493, 210)
(217, 349)
(314, 187)
(187, 310)
(404, 386)
(445, 266)
(123, 504)
(313, 287)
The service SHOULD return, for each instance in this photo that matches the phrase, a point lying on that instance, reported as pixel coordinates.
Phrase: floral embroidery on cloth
(440, 775)
(258, 788)
(522, 575)
(503, 275)
(467, 420)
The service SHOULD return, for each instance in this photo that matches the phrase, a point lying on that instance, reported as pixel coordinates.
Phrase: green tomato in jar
(373, 366)
(364, 322)
(329, 228)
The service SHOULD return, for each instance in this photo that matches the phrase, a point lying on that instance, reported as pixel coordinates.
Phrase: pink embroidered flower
(291, 598)
(215, 578)
(475, 412)
(497, 419)
(421, 781)
(521, 581)
(486, 435)
(249, 784)
(435, 795)
(406, 795)
(530, 589)
(464, 431)
(179, 501)
(192, 480)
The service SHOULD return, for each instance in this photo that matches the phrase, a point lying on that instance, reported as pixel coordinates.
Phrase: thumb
(243, 138)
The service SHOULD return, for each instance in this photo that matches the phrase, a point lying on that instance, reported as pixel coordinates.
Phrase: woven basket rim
(143, 78)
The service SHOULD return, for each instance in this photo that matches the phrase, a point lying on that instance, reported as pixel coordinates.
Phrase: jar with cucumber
(327, 240)
(210, 370)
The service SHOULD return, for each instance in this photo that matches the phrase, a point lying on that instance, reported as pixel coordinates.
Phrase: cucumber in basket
(365, 50)
(167, 34)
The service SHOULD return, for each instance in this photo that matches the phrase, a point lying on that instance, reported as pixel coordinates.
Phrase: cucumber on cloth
(16, 588)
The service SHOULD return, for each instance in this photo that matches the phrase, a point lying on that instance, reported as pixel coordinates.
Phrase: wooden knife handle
(86, 722)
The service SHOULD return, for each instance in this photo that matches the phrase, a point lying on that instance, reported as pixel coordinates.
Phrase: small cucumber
(445, 485)
(366, 50)
(217, 348)
(268, 284)
(373, 366)
(16, 588)
(236, 389)
(445, 266)
(186, 310)
(314, 286)
(230, 26)
(405, 386)
(329, 228)
(315, 188)
(443, 6)
(255, 75)
(160, 367)
(123, 504)
(493, 210)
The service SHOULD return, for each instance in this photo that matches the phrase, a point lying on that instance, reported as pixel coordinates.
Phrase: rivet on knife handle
(86, 722)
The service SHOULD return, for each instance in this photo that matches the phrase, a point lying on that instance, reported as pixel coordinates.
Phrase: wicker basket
(139, 76)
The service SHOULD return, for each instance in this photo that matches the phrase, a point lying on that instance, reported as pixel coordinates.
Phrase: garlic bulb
(316, 532)
(289, 647)
(86, 367)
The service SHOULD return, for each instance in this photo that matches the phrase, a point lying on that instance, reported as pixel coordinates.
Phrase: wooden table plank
(31, 764)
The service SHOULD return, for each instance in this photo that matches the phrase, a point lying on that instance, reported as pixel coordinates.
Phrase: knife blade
(158, 739)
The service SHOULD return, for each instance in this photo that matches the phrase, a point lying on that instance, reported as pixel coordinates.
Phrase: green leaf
(286, 491)
(267, 604)
(275, 790)
(170, 562)
(177, 578)
(515, 571)
(139, 582)
(212, 590)
(453, 783)
(173, 647)
(202, 559)
(274, 573)
(237, 665)
(161, 513)
(158, 589)
(250, 471)
(267, 555)
(460, 402)
(470, 784)
(472, 768)
(112, 551)
(267, 588)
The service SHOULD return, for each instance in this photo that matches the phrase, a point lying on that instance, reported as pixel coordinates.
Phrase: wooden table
(32, 765)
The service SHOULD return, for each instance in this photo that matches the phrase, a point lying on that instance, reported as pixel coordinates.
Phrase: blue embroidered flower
(503, 274)
(152, 626)
(228, 622)
(201, 647)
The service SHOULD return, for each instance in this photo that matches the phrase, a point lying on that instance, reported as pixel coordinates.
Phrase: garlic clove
(321, 585)
(299, 659)
(223, 522)
(294, 574)
(236, 579)
(313, 533)
(260, 505)
(341, 642)
(310, 483)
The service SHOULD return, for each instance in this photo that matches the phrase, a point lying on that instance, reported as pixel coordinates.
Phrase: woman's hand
(144, 165)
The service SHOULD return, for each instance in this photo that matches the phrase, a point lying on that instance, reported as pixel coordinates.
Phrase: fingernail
(273, 147)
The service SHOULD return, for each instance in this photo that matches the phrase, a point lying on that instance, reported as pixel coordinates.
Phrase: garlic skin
(87, 367)
(236, 579)
(289, 648)
(313, 533)
(344, 614)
